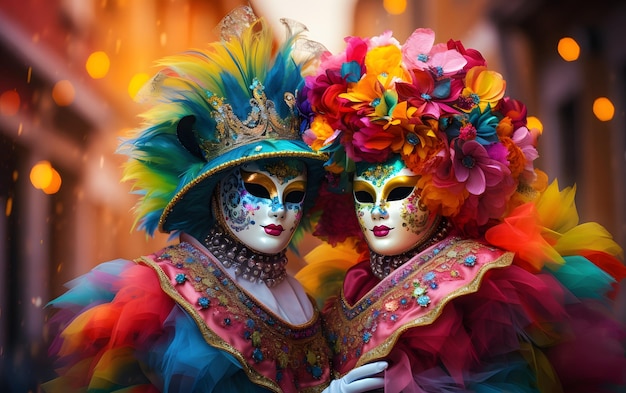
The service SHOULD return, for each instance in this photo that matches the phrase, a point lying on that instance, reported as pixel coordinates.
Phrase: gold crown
(263, 122)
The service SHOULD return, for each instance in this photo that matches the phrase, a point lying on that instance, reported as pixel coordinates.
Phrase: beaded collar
(382, 265)
(249, 265)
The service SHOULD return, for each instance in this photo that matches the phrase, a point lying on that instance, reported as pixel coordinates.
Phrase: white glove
(359, 379)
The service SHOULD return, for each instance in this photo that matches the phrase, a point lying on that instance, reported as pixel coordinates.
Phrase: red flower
(474, 58)
(515, 110)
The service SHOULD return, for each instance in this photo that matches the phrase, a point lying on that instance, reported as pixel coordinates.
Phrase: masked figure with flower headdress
(220, 161)
(461, 267)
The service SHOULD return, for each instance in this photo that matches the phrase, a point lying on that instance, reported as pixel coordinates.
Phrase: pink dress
(461, 317)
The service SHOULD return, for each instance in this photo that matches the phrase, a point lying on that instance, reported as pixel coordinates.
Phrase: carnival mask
(261, 203)
(388, 207)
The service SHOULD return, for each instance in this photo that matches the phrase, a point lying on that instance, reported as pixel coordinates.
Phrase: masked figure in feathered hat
(466, 272)
(220, 161)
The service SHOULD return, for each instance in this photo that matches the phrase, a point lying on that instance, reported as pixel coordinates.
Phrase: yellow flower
(384, 68)
(367, 91)
(385, 62)
(484, 87)
(319, 134)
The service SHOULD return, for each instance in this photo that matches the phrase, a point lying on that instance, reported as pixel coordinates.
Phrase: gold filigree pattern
(284, 171)
(263, 122)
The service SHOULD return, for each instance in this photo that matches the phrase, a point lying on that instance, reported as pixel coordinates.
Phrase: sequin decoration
(413, 294)
(225, 310)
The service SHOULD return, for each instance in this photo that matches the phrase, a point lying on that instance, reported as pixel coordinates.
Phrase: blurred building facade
(47, 239)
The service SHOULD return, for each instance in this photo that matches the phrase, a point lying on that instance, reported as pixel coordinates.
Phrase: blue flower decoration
(470, 260)
(423, 300)
(316, 371)
(257, 355)
(351, 71)
(366, 337)
(180, 278)
(204, 302)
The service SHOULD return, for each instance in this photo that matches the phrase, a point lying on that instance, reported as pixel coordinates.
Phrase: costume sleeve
(521, 332)
(186, 363)
(119, 332)
(102, 322)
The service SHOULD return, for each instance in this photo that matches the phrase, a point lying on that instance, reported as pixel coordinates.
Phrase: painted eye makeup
(294, 193)
(258, 184)
(398, 188)
(364, 192)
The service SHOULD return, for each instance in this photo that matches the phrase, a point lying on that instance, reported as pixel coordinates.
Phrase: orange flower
(515, 156)
(444, 201)
(320, 134)
(484, 87)
(505, 127)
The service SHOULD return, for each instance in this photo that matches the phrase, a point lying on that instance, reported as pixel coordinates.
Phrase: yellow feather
(557, 209)
(559, 218)
(326, 268)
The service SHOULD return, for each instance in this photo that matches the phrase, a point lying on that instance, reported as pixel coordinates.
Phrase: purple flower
(474, 167)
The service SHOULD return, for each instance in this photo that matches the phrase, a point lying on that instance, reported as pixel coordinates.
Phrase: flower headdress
(437, 106)
(212, 110)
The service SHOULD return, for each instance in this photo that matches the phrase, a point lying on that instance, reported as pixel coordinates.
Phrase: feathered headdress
(212, 110)
(439, 108)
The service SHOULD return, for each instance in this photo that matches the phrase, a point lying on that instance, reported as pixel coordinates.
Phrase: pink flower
(370, 143)
(467, 132)
(419, 52)
(524, 140)
(431, 97)
(473, 166)
(478, 210)
(384, 39)
(472, 56)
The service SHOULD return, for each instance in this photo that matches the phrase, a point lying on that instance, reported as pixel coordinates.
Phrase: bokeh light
(63, 93)
(98, 64)
(136, 83)
(568, 49)
(41, 175)
(55, 183)
(9, 103)
(8, 208)
(603, 109)
(44, 177)
(533, 123)
(394, 7)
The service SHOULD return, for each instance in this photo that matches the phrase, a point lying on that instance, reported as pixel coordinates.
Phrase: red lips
(273, 230)
(381, 230)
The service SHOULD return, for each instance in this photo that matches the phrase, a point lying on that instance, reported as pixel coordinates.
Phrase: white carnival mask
(388, 207)
(261, 203)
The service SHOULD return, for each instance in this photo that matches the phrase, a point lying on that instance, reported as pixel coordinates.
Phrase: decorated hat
(438, 107)
(214, 109)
